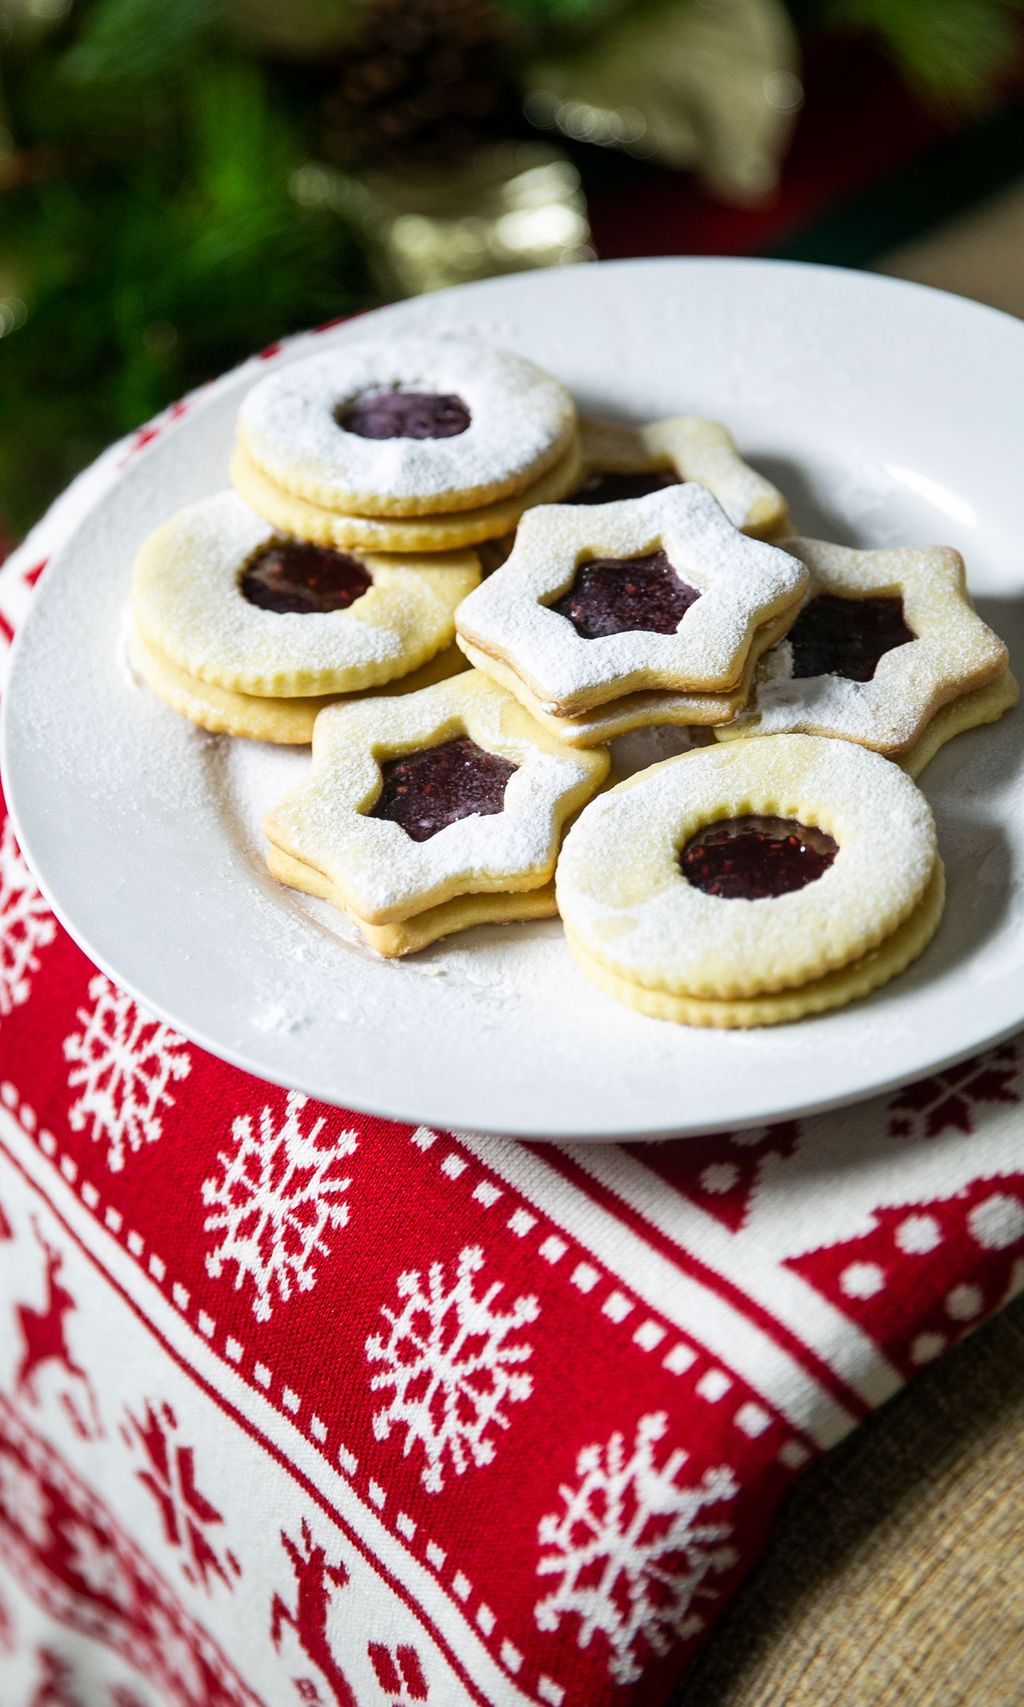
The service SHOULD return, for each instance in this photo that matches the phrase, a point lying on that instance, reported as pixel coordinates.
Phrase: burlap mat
(896, 1574)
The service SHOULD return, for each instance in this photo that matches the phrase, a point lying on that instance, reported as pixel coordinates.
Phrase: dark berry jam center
(405, 415)
(294, 576)
(835, 636)
(613, 488)
(427, 790)
(613, 595)
(750, 859)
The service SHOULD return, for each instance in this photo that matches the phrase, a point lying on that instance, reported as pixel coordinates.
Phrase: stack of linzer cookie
(461, 720)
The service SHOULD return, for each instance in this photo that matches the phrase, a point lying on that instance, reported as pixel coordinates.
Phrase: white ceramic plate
(888, 413)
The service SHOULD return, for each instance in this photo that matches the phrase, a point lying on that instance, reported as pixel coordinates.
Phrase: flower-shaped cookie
(406, 426)
(413, 801)
(658, 592)
(752, 884)
(225, 599)
(620, 462)
(884, 642)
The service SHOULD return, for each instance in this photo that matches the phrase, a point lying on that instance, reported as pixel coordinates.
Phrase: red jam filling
(405, 415)
(750, 859)
(294, 576)
(835, 636)
(616, 488)
(613, 595)
(427, 790)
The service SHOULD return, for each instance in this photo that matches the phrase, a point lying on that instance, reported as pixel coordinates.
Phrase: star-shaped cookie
(621, 461)
(394, 837)
(657, 592)
(886, 645)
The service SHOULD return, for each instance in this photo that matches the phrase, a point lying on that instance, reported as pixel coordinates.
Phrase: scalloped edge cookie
(834, 990)
(522, 420)
(187, 601)
(624, 899)
(285, 722)
(450, 532)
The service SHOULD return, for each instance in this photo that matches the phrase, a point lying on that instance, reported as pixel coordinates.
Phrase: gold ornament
(708, 84)
(505, 209)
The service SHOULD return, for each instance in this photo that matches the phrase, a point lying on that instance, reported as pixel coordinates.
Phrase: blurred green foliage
(153, 223)
(147, 228)
(951, 50)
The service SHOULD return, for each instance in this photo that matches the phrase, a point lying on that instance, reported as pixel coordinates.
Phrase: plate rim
(396, 1109)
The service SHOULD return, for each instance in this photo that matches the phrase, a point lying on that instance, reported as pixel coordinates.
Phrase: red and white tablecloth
(298, 1405)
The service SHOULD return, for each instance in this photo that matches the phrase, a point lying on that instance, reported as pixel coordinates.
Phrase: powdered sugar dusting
(621, 892)
(160, 807)
(520, 418)
(742, 583)
(379, 870)
(953, 653)
(695, 449)
(188, 601)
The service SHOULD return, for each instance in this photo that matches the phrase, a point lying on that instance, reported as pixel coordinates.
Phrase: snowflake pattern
(175, 1656)
(948, 1101)
(187, 1515)
(26, 924)
(96, 1563)
(25, 1501)
(631, 1549)
(122, 1064)
(450, 1366)
(273, 1199)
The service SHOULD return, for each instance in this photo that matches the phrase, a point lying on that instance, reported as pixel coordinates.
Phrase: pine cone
(424, 79)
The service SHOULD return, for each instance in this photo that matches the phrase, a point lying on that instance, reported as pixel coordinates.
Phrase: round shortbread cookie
(637, 710)
(687, 447)
(734, 584)
(379, 871)
(833, 990)
(408, 937)
(187, 601)
(449, 532)
(948, 651)
(286, 722)
(519, 420)
(625, 900)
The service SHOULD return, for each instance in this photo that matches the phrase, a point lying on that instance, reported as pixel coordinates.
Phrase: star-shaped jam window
(599, 601)
(884, 643)
(413, 800)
